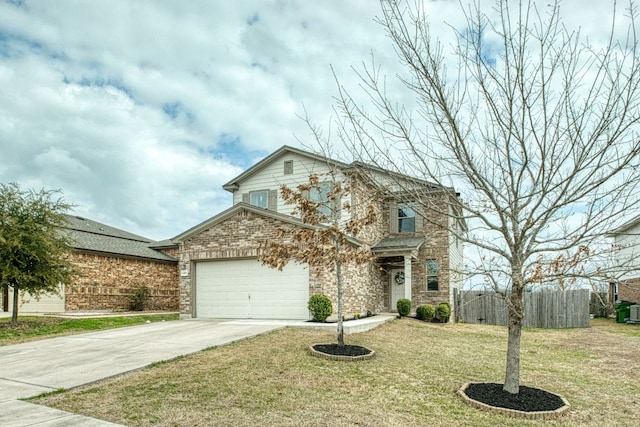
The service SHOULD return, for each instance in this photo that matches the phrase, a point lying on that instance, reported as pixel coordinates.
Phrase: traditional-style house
(417, 256)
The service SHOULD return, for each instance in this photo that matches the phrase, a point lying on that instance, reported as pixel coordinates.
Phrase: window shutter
(272, 204)
(419, 220)
(393, 217)
(245, 198)
(288, 167)
(336, 208)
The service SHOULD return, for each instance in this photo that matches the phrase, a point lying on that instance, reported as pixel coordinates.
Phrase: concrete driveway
(42, 366)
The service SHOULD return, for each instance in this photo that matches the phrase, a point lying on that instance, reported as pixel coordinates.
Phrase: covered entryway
(396, 255)
(396, 287)
(246, 289)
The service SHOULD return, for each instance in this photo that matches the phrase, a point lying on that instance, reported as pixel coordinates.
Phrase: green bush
(138, 299)
(443, 312)
(320, 307)
(426, 312)
(404, 307)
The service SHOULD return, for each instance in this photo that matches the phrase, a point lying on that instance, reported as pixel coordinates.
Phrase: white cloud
(140, 111)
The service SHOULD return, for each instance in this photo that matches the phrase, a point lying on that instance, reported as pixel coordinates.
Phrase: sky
(139, 111)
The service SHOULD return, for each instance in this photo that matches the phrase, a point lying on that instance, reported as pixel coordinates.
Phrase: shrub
(404, 307)
(443, 312)
(426, 312)
(138, 299)
(320, 307)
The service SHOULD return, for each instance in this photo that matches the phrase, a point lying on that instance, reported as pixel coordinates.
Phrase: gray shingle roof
(391, 243)
(88, 235)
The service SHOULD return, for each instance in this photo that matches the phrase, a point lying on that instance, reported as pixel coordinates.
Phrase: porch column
(407, 276)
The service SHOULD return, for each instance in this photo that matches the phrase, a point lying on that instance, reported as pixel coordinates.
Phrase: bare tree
(535, 126)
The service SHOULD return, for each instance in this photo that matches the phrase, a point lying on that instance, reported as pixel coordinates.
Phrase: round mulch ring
(338, 352)
(531, 403)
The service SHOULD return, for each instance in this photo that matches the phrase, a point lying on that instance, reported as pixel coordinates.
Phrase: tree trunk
(516, 314)
(14, 315)
(340, 305)
(5, 298)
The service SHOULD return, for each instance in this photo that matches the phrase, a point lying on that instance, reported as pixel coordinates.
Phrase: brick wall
(106, 283)
(239, 237)
(363, 288)
(629, 291)
(436, 246)
(236, 237)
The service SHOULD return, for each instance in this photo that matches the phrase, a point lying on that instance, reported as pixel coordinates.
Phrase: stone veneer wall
(363, 288)
(106, 283)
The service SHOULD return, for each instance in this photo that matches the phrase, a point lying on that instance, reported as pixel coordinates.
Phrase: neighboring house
(627, 242)
(415, 259)
(112, 264)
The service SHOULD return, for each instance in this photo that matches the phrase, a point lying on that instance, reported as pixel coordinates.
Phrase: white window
(432, 275)
(319, 194)
(259, 198)
(406, 218)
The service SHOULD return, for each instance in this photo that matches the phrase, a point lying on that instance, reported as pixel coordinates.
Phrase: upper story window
(406, 218)
(288, 167)
(432, 275)
(319, 194)
(259, 198)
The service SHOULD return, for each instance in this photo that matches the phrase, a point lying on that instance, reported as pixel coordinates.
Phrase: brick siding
(629, 291)
(240, 237)
(106, 283)
(436, 246)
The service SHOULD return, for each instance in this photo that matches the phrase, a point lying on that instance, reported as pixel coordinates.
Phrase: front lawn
(31, 328)
(271, 380)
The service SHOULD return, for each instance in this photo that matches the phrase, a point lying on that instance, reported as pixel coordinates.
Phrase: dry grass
(271, 380)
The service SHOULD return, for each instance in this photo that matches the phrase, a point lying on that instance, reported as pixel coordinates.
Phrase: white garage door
(47, 303)
(246, 289)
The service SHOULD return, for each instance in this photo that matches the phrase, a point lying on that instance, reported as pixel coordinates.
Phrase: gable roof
(390, 246)
(92, 236)
(624, 227)
(240, 207)
(233, 184)
(347, 167)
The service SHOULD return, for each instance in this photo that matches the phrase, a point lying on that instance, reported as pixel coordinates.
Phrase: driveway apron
(42, 366)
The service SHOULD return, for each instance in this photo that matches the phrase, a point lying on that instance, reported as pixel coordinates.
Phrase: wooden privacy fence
(544, 309)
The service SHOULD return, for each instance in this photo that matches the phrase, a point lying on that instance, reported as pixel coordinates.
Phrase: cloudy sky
(140, 110)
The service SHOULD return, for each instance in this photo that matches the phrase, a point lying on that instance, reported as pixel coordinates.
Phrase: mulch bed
(348, 353)
(527, 400)
(342, 350)
(532, 403)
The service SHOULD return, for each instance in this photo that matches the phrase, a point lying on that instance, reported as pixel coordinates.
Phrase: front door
(396, 287)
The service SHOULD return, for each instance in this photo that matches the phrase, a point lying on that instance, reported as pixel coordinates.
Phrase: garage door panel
(247, 289)
(47, 303)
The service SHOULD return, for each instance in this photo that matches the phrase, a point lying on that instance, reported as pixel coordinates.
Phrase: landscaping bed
(529, 402)
(347, 352)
